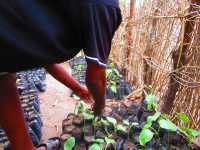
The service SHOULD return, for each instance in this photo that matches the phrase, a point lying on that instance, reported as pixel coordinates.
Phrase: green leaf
(96, 119)
(111, 65)
(104, 122)
(191, 131)
(111, 120)
(182, 130)
(113, 82)
(82, 106)
(145, 136)
(76, 97)
(69, 143)
(167, 124)
(108, 72)
(79, 67)
(151, 101)
(113, 88)
(154, 117)
(117, 72)
(95, 147)
(150, 98)
(195, 132)
(88, 116)
(147, 125)
(126, 122)
(183, 117)
(121, 128)
(110, 141)
(185, 130)
(98, 140)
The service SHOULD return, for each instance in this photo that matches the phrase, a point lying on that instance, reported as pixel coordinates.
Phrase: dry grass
(144, 47)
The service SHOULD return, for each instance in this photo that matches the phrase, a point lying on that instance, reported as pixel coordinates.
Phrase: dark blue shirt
(39, 32)
(108, 2)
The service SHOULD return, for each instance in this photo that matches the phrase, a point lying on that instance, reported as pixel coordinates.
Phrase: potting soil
(110, 135)
(30, 84)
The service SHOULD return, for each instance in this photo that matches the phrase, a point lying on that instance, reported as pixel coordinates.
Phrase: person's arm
(60, 74)
(96, 82)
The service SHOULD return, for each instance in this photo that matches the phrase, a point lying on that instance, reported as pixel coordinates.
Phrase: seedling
(110, 141)
(113, 86)
(150, 88)
(167, 124)
(145, 136)
(130, 125)
(111, 65)
(98, 140)
(75, 97)
(113, 77)
(95, 122)
(105, 122)
(111, 120)
(81, 107)
(79, 67)
(69, 143)
(189, 132)
(164, 122)
(97, 143)
(147, 133)
(108, 73)
(88, 116)
(151, 102)
(154, 117)
(183, 117)
(126, 122)
(95, 146)
(120, 128)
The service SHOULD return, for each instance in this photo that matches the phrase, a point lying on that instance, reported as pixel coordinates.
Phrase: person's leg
(11, 114)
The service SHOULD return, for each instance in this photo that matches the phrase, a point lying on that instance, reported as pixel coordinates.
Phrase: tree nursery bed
(126, 125)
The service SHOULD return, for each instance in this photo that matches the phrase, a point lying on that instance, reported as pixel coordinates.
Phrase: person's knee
(11, 77)
(7, 85)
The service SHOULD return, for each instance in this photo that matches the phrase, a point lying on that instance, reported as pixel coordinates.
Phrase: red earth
(56, 103)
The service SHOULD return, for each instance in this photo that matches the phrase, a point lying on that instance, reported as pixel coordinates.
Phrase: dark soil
(129, 140)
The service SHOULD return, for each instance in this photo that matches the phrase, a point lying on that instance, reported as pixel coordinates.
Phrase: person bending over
(44, 33)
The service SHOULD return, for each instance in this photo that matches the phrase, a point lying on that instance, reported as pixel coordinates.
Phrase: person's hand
(84, 94)
(98, 107)
(98, 110)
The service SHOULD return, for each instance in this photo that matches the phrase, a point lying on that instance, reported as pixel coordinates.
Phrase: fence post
(179, 60)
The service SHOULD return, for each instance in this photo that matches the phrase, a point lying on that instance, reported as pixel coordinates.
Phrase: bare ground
(56, 103)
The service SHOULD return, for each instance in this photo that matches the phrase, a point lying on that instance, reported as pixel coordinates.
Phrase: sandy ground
(55, 105)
